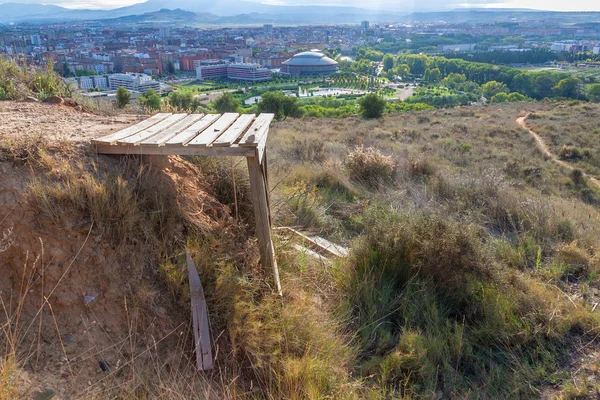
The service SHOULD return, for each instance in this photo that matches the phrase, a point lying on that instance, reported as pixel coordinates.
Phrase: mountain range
(208, 11)
(240, 12)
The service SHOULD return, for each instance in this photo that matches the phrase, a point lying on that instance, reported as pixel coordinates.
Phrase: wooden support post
(260, 197)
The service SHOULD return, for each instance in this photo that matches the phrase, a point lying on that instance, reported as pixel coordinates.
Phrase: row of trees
(537, 85)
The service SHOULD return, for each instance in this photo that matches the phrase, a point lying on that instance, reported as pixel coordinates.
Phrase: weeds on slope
(20, 80)
(435, 313)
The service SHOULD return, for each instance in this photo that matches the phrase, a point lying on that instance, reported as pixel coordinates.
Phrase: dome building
(309, 63)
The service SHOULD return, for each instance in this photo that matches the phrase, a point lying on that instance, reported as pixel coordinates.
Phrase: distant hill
(242, 12)
(202, 11)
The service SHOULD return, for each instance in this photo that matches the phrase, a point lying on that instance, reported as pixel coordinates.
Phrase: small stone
(87, 300)
(45, 395)
(78, 108)
(103, 366)
(54, 100)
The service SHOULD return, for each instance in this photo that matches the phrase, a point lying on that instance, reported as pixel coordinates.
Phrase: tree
(543, 86)
(226, 103)
(492, 88)
(372, 106)
(123, 97)
(279, 104)
(150, 99)
(432, 75)
(569, 87)
(594, 92)
(388, 62)
(181, 100)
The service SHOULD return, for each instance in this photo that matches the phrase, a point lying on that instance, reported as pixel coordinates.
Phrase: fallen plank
(200, 318)
(320, 245)
(114, 137)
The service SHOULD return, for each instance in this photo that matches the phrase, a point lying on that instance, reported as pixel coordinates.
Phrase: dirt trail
(522, 121)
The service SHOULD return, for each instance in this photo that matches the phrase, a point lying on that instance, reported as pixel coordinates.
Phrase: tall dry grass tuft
(434, 311)
(369, 167)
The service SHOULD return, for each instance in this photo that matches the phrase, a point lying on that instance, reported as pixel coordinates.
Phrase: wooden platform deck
(229, 134)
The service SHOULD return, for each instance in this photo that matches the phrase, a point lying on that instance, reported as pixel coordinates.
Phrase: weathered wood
(183, 138)
(233, 150)
(214, 131)
(319, 244)
(164, 136)
(114, 137)
(234, 131)
(261, 212)
(199, 317)
(153, 130)
(257, 131)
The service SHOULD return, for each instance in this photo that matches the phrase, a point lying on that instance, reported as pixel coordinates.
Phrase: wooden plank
(235, 131)
(162, 137)
(214, 131)
(233, 150)
(184, 137)
(319, 244)
(113, 137)
(258, 129)
(199, 317)
(153, 130)
(261, 213)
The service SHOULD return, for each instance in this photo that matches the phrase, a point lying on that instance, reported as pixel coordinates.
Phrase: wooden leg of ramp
(260, 200)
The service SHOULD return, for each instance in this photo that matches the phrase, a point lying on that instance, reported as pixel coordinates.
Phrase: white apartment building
(133, 82)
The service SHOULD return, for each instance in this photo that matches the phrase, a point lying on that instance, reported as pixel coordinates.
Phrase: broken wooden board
(200, 318)
(319, 244)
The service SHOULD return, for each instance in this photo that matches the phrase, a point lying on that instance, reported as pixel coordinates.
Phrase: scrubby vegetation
(18, 81)
(473, 269)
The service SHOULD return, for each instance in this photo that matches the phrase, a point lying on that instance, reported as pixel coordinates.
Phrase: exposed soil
(67, 289)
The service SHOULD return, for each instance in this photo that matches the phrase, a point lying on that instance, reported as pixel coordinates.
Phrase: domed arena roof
(310, 58)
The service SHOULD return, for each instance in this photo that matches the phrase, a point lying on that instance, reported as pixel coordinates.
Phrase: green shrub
(372, 106)
(123, 97)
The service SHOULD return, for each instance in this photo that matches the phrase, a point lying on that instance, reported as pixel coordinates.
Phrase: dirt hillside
(81, 307)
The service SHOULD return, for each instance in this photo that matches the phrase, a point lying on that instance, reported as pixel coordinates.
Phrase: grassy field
(464, 238)
(473, 270)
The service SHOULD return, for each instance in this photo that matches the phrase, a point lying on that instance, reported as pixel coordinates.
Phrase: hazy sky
(398, 5)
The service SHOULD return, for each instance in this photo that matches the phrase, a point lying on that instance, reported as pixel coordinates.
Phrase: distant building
(133, 82)
(164, 32)
(444, 48)
(268, 29)
(248, 72)
(92, 82)
(237, 71)
(211, 69)
(309, 63)
(596, 50)
(36, 40)
(364, 25)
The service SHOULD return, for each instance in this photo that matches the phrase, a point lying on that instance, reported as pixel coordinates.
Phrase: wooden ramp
(230, 134)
